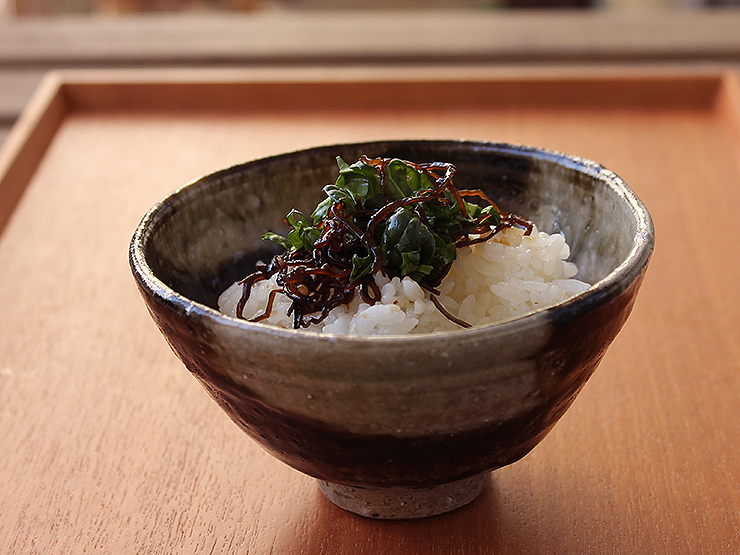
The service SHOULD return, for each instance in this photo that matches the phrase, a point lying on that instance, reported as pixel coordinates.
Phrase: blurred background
(20, 8)
(39, 36)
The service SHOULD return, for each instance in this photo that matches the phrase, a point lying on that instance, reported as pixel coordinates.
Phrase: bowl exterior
(483, 401)
(407, 410)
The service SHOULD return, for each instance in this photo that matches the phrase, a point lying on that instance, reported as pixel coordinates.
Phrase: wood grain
(27, 141)
(109, 446)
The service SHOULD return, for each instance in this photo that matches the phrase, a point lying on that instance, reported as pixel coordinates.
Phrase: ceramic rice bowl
(393, 426)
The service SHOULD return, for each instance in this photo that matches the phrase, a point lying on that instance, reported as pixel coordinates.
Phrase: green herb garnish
(381, 215)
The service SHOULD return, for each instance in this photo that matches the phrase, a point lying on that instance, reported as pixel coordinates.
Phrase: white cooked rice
(509, 275)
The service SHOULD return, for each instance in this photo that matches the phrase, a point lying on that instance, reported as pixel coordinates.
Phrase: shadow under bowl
(393, 426)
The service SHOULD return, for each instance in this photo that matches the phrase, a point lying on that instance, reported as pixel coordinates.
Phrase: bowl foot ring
(401, 502)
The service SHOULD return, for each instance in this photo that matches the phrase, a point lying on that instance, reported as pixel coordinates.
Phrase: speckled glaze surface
(394, 411)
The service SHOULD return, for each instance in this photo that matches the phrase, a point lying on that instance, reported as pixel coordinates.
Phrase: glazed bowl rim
(610, 286)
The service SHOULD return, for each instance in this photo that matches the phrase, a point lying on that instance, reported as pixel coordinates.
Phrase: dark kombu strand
(381, 215)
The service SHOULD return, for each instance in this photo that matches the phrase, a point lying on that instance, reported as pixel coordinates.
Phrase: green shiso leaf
(380, 215)
(279, 239)
(302, 235)
(406, 244)
(361, 266)
(415, 240)
(401, 180)
(493, 216)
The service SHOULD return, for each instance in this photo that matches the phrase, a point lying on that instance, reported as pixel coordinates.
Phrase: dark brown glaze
(333, 454)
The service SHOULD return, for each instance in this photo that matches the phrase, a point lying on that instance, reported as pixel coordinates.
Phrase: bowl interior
(205, 236)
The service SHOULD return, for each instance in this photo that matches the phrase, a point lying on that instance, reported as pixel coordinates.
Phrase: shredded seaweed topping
(381, 215)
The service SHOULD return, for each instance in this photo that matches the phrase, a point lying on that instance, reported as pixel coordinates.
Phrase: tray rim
(143, 90)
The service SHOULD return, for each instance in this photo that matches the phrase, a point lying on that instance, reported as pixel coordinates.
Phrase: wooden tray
(109, 446)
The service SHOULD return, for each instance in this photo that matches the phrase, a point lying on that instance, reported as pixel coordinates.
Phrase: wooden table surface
(110, 446)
